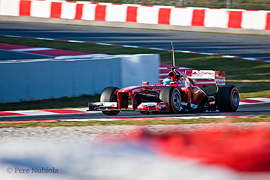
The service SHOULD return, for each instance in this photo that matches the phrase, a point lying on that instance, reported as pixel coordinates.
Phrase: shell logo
(195, 95)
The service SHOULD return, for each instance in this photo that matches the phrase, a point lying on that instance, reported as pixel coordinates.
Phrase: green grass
(65, 102)
(251, 77)
(135, 122)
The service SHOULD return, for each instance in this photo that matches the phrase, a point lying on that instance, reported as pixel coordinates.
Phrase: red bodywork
(188, 83)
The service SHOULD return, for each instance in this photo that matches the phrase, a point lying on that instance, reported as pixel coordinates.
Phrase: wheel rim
(235, 98)
(176, 100)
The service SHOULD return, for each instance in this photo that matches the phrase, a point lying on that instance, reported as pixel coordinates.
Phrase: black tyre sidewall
(109, 94)
(224, 99)
(167, 95)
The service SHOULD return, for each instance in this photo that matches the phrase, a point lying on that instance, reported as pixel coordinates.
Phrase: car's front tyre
(172, 96)
(109, 94)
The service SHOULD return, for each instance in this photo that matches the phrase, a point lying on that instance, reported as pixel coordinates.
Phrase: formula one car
(179, 91)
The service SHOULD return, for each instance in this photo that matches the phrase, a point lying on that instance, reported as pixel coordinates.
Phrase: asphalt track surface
(237, 45)
(226, 44)
(244, 110)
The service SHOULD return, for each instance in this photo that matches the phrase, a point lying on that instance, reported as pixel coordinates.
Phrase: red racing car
(179, 91)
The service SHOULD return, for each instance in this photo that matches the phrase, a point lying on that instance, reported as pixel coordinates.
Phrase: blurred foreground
(218, 151)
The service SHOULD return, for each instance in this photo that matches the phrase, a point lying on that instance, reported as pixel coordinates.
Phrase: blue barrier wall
(51, 78)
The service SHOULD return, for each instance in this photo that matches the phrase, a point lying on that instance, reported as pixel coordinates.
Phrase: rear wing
(202, 77)
(206, 77)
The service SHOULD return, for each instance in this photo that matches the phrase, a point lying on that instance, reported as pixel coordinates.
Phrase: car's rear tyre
(227, 99)
(172, 96)
(109, 94)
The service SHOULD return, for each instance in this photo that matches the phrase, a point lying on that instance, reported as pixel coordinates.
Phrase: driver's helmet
(167, 81)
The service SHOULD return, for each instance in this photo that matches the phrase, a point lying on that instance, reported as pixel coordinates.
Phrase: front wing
(113, 106)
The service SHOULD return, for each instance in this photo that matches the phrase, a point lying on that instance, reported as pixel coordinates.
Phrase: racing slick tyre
(227, 99)
(109, 94)
(172, 96)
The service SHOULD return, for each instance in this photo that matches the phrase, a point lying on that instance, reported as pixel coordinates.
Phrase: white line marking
(75, 41)
(33, 112)
(160, 49)
(130, 46)
(13, 36)
(228, 56)
(142, 118)
(103, 119)
(265, 100)
(31, 49)
(245, 103)
(106, 44)
(197, 117)
(209, 54)
(183, 51)
(81, 109)
(45, 39)
(250, 59)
